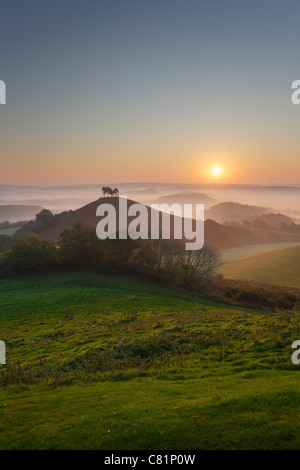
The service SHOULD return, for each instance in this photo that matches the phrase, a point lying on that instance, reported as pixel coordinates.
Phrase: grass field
(247, 250)
(280, 267)
(109, 362)
(9, 231)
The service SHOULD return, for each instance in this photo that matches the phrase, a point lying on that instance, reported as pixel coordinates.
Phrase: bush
(29, 255)
(188, 268)
(80, 246)
(253, 295)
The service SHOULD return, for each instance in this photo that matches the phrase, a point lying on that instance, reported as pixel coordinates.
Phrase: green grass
(9, 231)
(280, 267)
(109, 362)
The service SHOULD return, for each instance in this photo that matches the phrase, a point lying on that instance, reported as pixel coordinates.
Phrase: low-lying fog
(283, 199)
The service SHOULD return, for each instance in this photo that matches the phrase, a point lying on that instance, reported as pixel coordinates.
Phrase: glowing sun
(216, 171)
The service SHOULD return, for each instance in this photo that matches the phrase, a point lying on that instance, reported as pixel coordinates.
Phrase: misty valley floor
(108, 362)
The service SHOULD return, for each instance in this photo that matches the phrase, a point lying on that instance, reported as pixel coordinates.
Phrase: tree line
(80, 247)
(159, 260)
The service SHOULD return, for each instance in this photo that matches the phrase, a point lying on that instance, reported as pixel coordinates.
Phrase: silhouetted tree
(44, 218)
(106, 190)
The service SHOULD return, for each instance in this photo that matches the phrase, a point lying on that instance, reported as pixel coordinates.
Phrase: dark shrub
(80, 246)
(30, 254)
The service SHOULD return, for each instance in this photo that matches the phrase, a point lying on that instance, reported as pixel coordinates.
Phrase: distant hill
(270, 220)
(233, 211)
(216, 235)
(87, 215)
(186, 198)
(280, 267)
(223, 236)
(14, 213)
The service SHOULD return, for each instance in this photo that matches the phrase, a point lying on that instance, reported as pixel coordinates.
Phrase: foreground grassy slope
(114, 363)
(280, 267)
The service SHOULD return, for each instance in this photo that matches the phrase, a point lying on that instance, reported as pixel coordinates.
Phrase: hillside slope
(280, 267)
(111, 362)
(87, 215)
(216, 235)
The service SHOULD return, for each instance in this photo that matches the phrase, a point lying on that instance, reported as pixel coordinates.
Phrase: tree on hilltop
(106, 190)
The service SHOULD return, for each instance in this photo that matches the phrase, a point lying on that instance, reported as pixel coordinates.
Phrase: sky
(139, 90)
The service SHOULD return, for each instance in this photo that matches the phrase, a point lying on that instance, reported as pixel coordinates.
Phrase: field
(109, 362)
(273, 267)
(242, 251)
(9, 231)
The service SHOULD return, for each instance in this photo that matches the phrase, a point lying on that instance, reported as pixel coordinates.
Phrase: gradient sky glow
(140, 90)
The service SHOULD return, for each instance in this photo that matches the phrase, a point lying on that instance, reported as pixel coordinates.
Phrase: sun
(216, 171)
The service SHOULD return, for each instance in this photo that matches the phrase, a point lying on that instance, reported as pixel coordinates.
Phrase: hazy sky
(149, 90)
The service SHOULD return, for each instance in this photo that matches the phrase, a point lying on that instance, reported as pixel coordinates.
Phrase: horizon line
(50, 185)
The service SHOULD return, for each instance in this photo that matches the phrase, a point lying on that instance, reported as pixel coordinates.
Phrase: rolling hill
(186, 198)
(280, 267)
(87, 215)
(217, 235)
(233, 211)
(15, 213)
